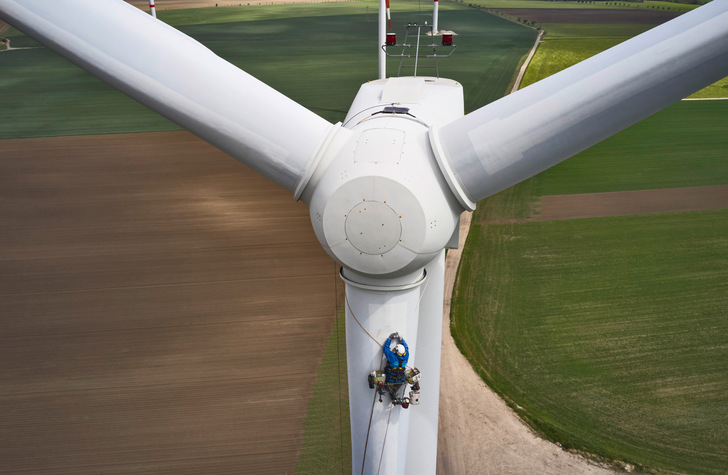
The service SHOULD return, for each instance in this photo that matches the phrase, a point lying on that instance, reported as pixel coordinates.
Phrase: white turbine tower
(385, 189)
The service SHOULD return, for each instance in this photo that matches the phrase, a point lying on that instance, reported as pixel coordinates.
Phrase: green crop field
(556, 54)
(715, 90)
(561, 50)
(684, 145)
(320, 65)
(609, 335)
(653, 154)
(567, 44)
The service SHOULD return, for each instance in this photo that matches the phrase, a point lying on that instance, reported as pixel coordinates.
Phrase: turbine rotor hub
(373, 227)
(378, 201)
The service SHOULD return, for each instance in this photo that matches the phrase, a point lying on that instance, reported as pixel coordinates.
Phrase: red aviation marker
(152, 10)
(389, 16)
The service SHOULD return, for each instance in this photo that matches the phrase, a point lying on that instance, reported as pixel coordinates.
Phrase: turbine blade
(180, 79)
(423, 425)
(379, 431)
(537, 127)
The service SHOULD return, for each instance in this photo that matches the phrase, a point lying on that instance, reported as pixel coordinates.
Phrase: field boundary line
(522, 72)
(626, 203)
(9, 48)
(705, 99)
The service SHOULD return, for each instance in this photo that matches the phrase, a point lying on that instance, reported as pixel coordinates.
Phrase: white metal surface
(152, 9)
(435, 17)
(179, 78)
(380, 446)
(422, 442)
(526, 132)
(433, 101)
(400, 440)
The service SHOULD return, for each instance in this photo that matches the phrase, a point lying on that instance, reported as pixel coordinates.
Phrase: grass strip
(327, 429)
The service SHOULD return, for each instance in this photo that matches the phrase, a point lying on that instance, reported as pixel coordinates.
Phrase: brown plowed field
(163, 309)
(626, 203)
(607, 17)
(667, 200)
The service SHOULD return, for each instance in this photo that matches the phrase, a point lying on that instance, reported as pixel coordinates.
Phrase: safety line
(366, 442)
(369, 428)
(384, 442)
(422, 294)
(346, 299)
(417, 307)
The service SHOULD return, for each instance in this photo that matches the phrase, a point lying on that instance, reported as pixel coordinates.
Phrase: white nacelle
(379, 203)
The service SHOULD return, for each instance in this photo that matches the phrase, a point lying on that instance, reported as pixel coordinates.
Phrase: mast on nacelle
(434, 18)
(382, 35)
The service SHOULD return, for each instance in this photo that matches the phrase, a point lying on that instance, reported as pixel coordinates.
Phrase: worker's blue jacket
(395, 368)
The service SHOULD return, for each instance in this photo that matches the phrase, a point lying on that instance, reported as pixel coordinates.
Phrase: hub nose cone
(373, 227)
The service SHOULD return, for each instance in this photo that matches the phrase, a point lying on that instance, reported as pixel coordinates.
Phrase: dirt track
(163, 308)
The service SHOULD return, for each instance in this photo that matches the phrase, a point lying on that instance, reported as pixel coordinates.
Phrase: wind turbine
(386, 188)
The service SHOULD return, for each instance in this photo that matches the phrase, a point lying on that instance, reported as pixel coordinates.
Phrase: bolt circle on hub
(373, 227)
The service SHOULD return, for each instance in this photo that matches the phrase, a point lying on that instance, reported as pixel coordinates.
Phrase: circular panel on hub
(373, 227)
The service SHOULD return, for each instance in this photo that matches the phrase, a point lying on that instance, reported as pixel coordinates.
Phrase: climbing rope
(417, 308)
(366, 442)
(422, 294)
(371, 414)
(384, 442)
(346, 299)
